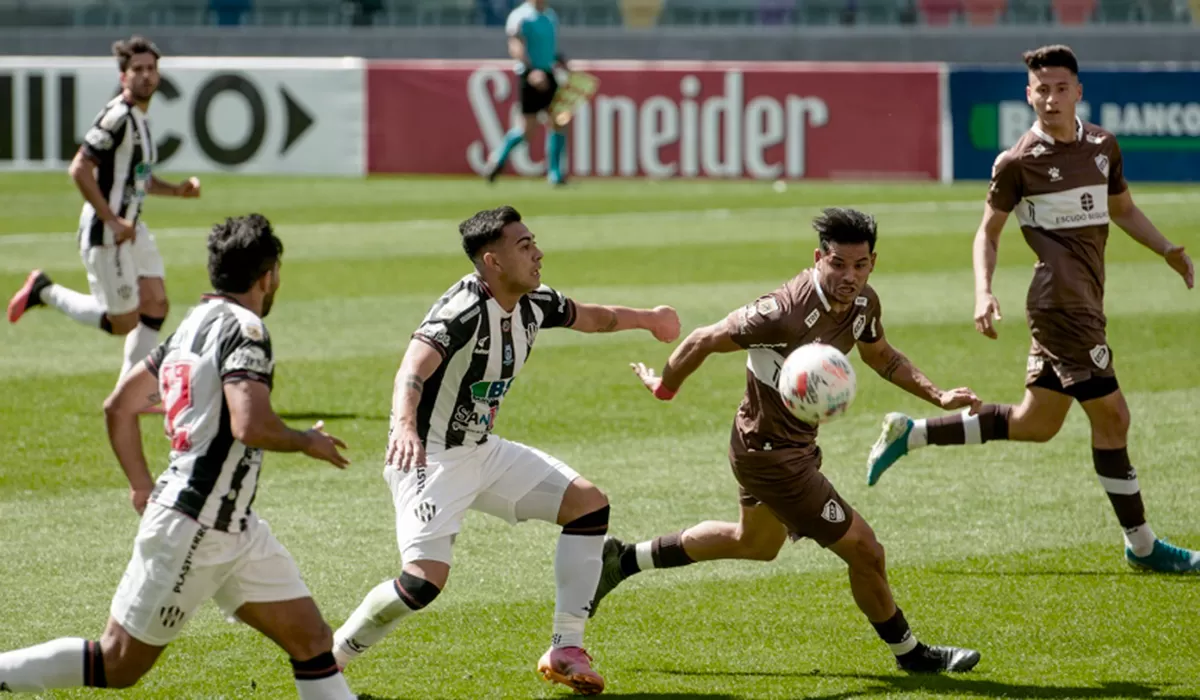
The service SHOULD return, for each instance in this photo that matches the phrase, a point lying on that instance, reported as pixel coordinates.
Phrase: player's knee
(757, 546)
(582, 499)
(1112, 424)
(1032, 427)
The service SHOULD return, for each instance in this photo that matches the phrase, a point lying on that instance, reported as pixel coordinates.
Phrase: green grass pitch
(1011, 549)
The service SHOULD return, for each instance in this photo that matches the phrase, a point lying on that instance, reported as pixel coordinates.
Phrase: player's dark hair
(125, 49)
(486, 227)
(240, 251)
(840, 225)
(1053, 56)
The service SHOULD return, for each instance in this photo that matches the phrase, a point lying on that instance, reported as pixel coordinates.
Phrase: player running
(114, 171)
(532, 30)
(775, 456)
(199, 538)
(443, 460)
(1064, 179)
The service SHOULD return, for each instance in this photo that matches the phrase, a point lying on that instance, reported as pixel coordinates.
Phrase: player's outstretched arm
(255, 424)
(136, 392)
(894, 366)
(1133, 221)
(405, 450)
(986, 249)
(189, 188)
(661, 321)
(687, 358)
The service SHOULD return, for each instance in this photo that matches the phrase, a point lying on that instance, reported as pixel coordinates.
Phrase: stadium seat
(1029, 11)
(446, 12)
(1164, 11)
(641, 14)
(1074, 11)
(940, 12)
(981, 12)
(883, 12)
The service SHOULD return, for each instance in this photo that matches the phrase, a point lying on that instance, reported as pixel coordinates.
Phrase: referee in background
(532, 30)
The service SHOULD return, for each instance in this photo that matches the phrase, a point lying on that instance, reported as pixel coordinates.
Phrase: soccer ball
(817, 383)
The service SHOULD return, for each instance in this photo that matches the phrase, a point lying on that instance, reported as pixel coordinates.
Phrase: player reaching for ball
(113, 171)
(774, 455)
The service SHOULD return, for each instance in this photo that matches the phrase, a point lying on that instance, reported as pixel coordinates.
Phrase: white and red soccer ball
(817, 383)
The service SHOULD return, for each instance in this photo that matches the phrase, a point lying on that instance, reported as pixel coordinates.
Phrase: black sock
(316, 668)
(897, 634)
(93, 666)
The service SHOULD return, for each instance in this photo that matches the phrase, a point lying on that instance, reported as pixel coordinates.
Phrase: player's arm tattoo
(612, 322)
(893, 365)
(414, 382)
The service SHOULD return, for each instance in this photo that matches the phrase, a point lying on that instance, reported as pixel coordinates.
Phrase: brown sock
(1119, 479)
(991, 423)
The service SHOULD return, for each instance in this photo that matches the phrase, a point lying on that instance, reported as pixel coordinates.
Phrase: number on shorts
(175, 381)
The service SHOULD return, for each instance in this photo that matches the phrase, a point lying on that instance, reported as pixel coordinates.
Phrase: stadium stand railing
(595, 13)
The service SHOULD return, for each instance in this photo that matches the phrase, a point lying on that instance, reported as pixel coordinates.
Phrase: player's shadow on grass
(628, 696)
(959, 686)
(328, 415)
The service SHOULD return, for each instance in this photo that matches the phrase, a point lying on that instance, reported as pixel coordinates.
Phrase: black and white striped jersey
(211, 477)
(482, 348)
(120, 144)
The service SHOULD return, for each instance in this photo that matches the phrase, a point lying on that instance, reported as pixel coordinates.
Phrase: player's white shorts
(113, 270)
(178, 564)
(506, 479)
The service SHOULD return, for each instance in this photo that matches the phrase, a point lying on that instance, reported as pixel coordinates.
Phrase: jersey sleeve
(557, 309)
(515, 26)
(105, 135)
(1005, 190)
(245, 353)
(155, 359)
(448, 334)
(761, 322)
(1116, 169)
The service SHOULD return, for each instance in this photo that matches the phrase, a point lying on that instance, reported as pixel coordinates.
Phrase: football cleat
(1165, 558)
(610, 573)
(572, 667)
(28, 296)
(927, 659)
(890, 447)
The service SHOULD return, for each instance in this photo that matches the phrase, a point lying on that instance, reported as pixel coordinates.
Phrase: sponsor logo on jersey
(860, 324)
(812, 318)
(860, 301)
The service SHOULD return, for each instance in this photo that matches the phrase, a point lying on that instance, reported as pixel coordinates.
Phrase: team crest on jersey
(812, 318)
(1100, 356)
(833, 512)
(766, 305)
(1102, 163)
(253, 331)
(860, 324)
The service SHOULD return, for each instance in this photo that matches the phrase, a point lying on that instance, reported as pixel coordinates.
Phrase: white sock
(919, 435)
(138, 344)
(56, 664)
(577, 565)
(332, 688)
(379, 613)
(81, 307)
(645, 558)
(1140, 539)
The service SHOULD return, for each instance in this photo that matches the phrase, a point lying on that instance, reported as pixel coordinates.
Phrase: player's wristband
(662, 393)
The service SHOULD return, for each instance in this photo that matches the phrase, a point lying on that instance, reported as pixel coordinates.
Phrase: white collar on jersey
(816, 277)
(1037, 131)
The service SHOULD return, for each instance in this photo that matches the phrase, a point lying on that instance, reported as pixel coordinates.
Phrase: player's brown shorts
(789, 482)
(1069, 353)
